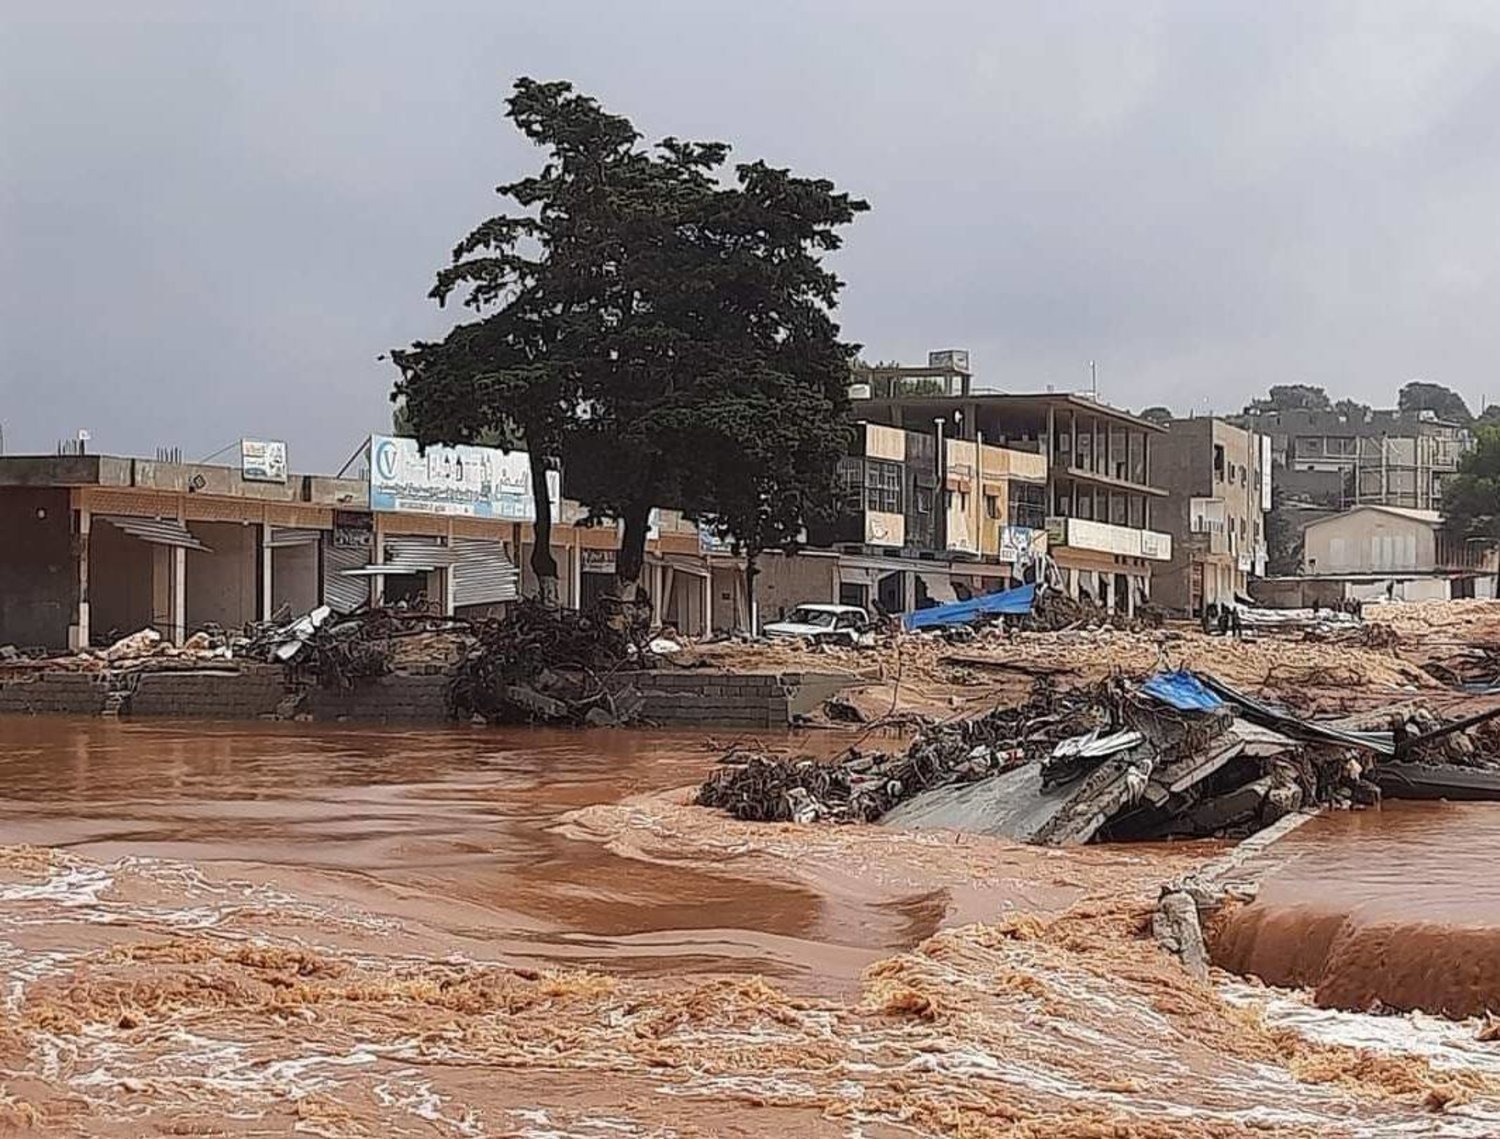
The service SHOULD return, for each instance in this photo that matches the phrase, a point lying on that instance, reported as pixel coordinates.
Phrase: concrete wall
(121, 570)
(38, 576)
(294, 578)
(785, 582)
(219, 696)
(223, 586)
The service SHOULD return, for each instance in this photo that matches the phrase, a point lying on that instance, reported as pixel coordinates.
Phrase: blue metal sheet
(1183, 691)
(1014, 602)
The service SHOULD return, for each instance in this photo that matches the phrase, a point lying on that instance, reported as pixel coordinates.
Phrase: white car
(824, 625)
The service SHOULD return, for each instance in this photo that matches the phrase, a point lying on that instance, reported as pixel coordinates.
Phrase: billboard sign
(474, 482)
(1020, 545)
(262, 460)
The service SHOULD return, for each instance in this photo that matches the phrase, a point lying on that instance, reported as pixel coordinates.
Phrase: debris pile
(1181, 754)
(539, 664)
(863, 786)
(336, 651)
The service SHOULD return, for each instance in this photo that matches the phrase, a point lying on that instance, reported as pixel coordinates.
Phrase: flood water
(1397, 908)
(265, 929)
(454, 830)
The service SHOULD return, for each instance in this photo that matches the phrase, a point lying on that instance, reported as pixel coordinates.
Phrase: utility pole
(1094, 380)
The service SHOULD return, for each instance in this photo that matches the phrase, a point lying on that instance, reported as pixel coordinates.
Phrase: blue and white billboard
(475, 482)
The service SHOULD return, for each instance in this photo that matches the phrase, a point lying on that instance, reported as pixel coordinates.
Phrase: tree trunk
(752, 571)
(543, 564)
(634, 603)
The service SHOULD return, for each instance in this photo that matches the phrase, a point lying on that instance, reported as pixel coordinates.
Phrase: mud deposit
(1397, 908)
(271, 930)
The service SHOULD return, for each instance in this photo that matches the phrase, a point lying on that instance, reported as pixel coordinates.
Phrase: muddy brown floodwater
(350, 932)
(1396, 908)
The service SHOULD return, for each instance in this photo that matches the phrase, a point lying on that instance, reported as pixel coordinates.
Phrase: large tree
(1445, 403)
(642, 313)
(533, 273)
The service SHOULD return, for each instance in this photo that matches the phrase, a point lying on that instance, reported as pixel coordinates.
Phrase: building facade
(1093, 489)
(1218, 479)
(1388, 458)
(923, 522)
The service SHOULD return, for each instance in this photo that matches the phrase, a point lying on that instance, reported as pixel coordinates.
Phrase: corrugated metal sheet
(482, 574)
(161, 531)
(417, 555)
(283, 536)
(341, 593)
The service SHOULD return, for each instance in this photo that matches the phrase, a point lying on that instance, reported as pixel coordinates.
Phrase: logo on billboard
(385, 459)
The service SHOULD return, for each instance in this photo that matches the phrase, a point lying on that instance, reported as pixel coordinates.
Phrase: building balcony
(1107, 538)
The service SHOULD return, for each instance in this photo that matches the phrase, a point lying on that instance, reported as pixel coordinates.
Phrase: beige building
(1219, 479)
(1396, 552)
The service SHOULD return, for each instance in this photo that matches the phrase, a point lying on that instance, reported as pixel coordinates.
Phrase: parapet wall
(670, 698)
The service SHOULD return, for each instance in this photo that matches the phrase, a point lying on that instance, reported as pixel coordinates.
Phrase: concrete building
(1389, 458)
(1097, 495)
(1218, 478)
(917, 529)
(97, 546)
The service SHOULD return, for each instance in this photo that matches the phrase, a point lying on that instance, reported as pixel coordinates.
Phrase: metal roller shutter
(482, 574)
(342, 593)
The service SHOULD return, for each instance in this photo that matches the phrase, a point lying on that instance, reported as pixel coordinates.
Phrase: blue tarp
(1183, 691)
(1013, 601)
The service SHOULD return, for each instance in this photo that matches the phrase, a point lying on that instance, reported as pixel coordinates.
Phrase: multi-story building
(1096, 492)
(1388, 458)
(916, 527)
(1218, 478)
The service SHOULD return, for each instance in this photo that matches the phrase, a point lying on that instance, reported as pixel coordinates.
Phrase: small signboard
(263, 460)
(353, 530)
(598, 561)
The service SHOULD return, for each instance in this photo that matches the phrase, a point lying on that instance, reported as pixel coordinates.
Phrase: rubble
(1182, 754)
(548, 665)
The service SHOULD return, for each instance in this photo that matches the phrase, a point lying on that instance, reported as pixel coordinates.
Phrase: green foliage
(1443, 402)
(1291, 397)
(1284, 536)
(1489, 417)
(1157, 414)
(1471, 499)
(1352, 410)
(663, 330)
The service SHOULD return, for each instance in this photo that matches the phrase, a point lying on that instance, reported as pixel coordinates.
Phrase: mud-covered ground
(269, 930)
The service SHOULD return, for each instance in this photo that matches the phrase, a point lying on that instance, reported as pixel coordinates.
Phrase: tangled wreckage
(1179, 754)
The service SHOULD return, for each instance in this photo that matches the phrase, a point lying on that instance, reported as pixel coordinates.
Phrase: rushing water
(263, 929)
(1396, 908)
(454, 829)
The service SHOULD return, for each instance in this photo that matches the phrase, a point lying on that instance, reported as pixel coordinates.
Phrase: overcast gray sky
(214, 216)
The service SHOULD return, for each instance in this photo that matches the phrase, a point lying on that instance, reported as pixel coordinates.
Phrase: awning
(283, 536)
(160, 531)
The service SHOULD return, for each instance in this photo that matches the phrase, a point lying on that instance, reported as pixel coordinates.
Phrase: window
(1218, 462)
(1308, 447)
(851, 481)
(1028, 505)
(991, 506)
(924, 500)
(882, 486)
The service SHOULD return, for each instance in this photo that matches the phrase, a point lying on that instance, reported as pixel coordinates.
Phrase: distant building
(1375, 552)
(1218, 477)
(1390, 458)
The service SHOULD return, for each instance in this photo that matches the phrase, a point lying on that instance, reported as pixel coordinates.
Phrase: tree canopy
(662, 329)
(1157, 414)
(1471, 498)
(1291, 397)
(1445, 403)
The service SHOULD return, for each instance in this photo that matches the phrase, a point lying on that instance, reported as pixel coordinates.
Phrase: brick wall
(211, 695)
(392, 698)
(729, 699)
(79, 693)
